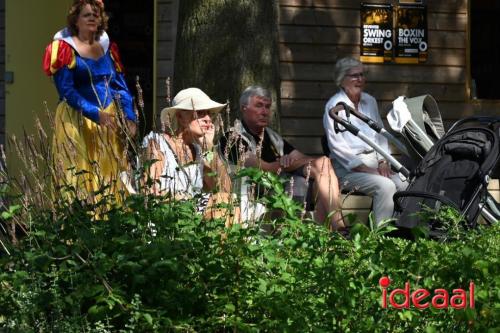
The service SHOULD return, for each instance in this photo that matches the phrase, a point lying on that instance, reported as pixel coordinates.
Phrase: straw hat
(190, 99)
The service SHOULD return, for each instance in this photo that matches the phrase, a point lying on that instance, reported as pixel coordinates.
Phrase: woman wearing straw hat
(184, 165)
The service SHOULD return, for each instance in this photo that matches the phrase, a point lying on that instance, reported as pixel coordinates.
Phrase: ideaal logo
(419, 298)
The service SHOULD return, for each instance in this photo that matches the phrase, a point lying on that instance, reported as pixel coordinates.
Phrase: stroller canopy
(419, 121)
(425, 112)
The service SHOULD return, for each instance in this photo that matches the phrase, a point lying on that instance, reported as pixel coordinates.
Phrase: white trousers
(380, 188)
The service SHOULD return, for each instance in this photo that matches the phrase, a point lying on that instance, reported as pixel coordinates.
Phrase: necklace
(182, 150)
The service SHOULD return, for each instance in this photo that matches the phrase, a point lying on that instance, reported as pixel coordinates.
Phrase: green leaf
(148, 318)
(208, 156)
(12, 210)
(6, 215)
(359, 231)
(230, 308)
(430, 329)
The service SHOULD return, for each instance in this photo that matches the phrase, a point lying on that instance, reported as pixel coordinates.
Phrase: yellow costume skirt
(88, 158)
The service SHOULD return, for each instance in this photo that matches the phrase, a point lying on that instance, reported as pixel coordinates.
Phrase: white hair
(342, 67)
(251, 91)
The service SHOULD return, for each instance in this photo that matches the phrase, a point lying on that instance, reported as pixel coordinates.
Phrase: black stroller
(454, 169)
(455, 172)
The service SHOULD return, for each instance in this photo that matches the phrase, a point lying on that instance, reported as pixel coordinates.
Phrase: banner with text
(411, 34)
(376, 33)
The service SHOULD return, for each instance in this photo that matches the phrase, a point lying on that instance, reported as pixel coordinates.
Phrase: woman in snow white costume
(95, 112)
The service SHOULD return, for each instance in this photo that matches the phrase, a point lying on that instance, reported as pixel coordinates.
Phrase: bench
(360, 204)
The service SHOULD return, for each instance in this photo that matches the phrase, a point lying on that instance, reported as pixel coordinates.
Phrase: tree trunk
(224, 46)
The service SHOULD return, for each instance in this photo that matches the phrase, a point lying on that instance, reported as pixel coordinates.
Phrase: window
(485, 49)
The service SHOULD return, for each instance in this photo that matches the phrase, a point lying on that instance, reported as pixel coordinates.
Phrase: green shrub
(154, 265)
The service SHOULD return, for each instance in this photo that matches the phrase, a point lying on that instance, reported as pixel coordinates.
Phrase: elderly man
(267, 150)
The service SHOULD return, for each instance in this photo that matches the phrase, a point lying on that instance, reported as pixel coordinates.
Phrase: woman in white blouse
(357, 165)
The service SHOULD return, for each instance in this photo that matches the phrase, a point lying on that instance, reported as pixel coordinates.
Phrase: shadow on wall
(312, 38)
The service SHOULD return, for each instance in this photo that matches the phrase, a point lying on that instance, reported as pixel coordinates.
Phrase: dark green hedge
(153, 266)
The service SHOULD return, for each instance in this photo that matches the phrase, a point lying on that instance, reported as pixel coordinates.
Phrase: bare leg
(326, 190)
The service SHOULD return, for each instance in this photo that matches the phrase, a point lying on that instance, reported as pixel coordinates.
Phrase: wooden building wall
(313, 34)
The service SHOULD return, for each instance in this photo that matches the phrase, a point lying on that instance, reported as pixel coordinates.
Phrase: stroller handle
(370, 122)
(346, 123)
(348, 110)
(355, 131)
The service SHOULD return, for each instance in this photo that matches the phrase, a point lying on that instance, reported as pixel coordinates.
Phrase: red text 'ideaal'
(423, 298)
